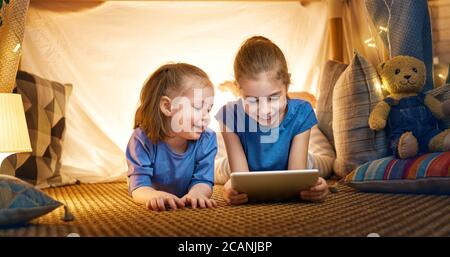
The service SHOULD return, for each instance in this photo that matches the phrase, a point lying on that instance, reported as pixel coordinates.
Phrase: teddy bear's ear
(381, 67)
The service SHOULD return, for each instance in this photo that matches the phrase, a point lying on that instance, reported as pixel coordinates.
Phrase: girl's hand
(232, 196)
(317, 193)
(161, 201)
(195, 199)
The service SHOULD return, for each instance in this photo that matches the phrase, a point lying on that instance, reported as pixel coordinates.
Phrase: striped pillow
(426, 174)
(356, 93)
(331, 73)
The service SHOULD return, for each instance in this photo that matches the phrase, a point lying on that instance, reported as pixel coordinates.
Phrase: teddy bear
(409, 116)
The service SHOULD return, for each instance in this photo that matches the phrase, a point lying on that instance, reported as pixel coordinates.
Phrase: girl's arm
(142, 194)
(238, 162)
(235, 152)
(298, 160)
(202, 181)
(202, 188)
(298, 154)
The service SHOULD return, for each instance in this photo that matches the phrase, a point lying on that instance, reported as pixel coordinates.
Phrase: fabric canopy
(107, 50)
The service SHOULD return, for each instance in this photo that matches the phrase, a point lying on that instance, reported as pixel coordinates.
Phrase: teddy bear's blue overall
(410, 114)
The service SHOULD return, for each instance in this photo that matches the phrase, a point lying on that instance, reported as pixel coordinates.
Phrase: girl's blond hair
(167, 78)
(258, 54)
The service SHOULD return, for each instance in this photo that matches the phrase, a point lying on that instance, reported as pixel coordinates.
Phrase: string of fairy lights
(370, 42)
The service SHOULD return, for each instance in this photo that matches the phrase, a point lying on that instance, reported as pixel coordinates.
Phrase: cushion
(426, 174)
(331, 73)
(443, 95)
(20, 202)
(45, 110)
(356, 93)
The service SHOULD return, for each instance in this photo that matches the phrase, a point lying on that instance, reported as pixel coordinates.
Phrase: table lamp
(14, 136)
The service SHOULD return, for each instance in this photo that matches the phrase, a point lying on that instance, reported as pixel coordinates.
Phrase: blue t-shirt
(159, 167)
(267, 148)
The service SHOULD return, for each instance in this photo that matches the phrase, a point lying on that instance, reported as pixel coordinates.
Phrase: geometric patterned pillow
(44, 103)
(20, 202)
(425, 174)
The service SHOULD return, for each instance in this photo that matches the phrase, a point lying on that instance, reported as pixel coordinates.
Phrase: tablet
(274, 185)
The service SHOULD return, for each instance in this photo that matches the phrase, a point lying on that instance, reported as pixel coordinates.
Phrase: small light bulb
(368, 40)
(372, 45)
(378, 85)
(441, 76)
(383, 28)
(16, 48)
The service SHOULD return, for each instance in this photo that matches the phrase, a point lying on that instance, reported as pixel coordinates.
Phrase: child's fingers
(172, 203)
(212, 203)
(188, 200)
(318, 198)
(313, 196)
(161, 205)
(242, 201)
(148, 204)
(201, 203)
(319, 186)
(238, 197)
(239, 201)
(312, 193)
(321, 197)
(231, 191)
(154, 205)
(305, 195)
(180, 202)
(193, 203)
(209, 203)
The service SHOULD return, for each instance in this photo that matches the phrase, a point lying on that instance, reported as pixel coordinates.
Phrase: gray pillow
(21, 202)
(44, 103)
(331, 73)
(355, 95)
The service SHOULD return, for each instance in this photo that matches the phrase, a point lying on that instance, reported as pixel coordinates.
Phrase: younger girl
(265, 130)
(171, 153)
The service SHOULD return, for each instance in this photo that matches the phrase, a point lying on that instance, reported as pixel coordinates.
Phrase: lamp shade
(13, 126)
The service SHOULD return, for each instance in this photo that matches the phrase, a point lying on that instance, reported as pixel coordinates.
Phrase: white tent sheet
(106, 50)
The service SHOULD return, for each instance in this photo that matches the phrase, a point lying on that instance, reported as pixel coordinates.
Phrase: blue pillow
(21, 202)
